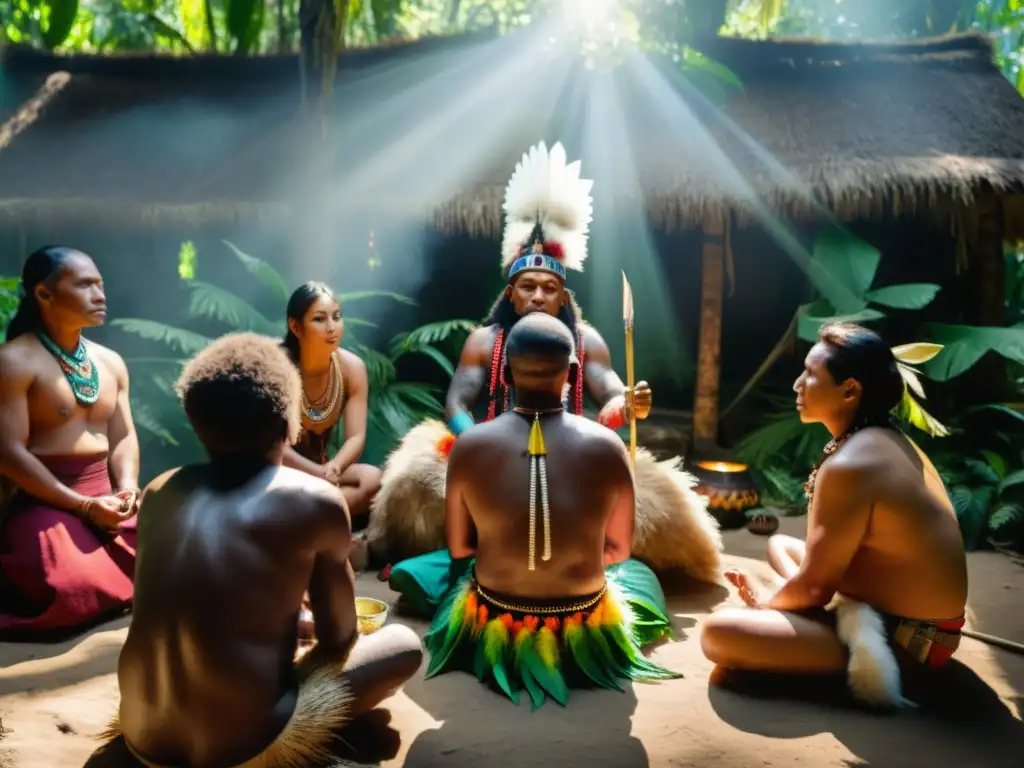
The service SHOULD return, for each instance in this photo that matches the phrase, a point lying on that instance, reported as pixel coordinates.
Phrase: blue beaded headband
(533, 261)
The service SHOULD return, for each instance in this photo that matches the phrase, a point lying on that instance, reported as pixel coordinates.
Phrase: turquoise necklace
(78, 369)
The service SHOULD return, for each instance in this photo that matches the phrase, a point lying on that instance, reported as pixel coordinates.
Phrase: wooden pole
(709, 348)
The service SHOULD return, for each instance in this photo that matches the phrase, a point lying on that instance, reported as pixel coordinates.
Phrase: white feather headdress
(546, 190)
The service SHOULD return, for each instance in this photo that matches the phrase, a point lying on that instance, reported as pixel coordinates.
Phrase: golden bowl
(370, 614)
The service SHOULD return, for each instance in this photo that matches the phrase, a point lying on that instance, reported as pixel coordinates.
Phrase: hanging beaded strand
(538, 472)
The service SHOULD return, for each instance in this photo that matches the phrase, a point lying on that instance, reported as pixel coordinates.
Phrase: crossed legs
(359, 484)
(755, 638)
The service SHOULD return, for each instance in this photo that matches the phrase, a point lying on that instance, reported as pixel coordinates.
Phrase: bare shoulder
(22, 356)
(481, 434)
(870, 450)
(320, 501)
(108, 357)
(596, 439)
(858, 467)
(591, 336)
(351, 364)
(479, 345)
(595, 349)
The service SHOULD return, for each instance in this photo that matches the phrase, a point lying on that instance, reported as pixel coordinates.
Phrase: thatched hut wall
(897, 140)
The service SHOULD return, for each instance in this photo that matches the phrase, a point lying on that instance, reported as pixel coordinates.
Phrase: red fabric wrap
(57, 571)
(939, 655)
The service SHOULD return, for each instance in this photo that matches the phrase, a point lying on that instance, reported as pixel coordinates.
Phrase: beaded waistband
(551, 607)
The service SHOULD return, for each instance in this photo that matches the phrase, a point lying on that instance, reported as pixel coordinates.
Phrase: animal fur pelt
(311, 734)
(407, 515)
(673, 527)
(872, 672)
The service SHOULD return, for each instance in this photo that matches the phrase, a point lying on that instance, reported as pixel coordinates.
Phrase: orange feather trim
(444, 444)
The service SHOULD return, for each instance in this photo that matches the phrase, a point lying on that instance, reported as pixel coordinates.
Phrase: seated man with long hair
(69, 456)
(227, 549)
(882, 536)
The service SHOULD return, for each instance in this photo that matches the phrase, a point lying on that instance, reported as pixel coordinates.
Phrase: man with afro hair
(226, 551)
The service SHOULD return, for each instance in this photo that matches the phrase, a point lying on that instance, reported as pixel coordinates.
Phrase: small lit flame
(722, 466)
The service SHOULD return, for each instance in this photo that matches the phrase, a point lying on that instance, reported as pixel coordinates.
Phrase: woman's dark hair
(43, 266)
(857, 353)
(298, 305)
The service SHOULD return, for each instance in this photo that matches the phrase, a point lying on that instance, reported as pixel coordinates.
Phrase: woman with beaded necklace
(334, 395)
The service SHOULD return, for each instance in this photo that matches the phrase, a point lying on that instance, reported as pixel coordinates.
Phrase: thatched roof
(857, 128)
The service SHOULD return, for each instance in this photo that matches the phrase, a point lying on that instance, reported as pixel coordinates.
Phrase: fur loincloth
(407, 515)
(872, 672)
(673, 526)
(311, 734)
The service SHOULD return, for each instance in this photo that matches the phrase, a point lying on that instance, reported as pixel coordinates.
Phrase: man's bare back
(206, 671)
(911, 561)
(591, 498)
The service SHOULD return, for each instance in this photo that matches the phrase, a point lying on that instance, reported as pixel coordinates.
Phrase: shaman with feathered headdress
(548, 209)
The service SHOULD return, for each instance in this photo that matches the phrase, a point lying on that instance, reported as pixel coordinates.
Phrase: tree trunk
(705, 406)
(211, 24)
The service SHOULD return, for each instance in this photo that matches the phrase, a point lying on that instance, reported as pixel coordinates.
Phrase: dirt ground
(54, 698)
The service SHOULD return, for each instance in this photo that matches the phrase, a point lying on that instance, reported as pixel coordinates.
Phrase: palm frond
(434, 354)
(390, 413)
(263, 272)
(424, 396)
(215, 303)
(342, 298)
(762, 446)
(147, 421)
(431, 333)
(184, 341)
(380, 371)
(358, 322)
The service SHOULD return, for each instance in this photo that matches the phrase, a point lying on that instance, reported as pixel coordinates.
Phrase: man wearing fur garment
(878, 590)
(548, 210)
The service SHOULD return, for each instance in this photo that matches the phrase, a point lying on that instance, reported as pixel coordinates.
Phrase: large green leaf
(965, 345)
(842, 269)
(906, 296)
(808, 325)
(61, 21)
(10, 284)
(186, 342)
(263, 272)
(695, 61)
(212, 302)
